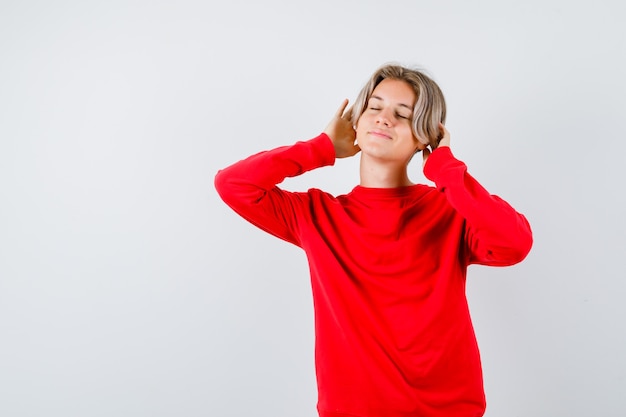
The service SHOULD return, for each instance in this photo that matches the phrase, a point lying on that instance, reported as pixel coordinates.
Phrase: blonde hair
(430, 106)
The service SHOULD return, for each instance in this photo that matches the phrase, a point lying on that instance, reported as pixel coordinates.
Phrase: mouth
(379, 134)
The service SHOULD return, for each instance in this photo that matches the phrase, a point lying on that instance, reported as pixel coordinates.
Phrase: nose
(383, 118)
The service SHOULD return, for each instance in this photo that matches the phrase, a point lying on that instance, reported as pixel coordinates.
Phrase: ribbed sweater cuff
(443, 168)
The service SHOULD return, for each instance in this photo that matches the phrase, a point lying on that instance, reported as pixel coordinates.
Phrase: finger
(342, 108)
(348, 114)
(442, 129)
(355, 149)
(444, 140)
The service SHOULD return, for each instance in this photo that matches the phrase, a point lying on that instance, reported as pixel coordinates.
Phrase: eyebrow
(400, 104)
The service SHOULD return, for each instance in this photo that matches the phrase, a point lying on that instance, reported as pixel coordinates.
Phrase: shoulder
(321, 196)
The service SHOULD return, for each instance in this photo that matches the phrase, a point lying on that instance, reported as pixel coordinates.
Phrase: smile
(380, 134)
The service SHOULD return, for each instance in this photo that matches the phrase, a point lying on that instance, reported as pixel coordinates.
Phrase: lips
(380, 134)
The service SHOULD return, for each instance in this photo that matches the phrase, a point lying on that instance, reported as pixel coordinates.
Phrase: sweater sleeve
(495, 233)
(250, 188)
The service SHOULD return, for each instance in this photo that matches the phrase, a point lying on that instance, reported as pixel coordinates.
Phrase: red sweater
(393, 331)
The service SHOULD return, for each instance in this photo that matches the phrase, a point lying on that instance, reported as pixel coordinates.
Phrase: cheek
(419, 143)
(360, 129)
(407, 134)
(422, 143)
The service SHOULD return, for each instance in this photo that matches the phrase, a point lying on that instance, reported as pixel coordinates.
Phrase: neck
(383, 174)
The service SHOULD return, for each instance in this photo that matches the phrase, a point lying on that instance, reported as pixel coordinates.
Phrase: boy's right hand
(342, 133)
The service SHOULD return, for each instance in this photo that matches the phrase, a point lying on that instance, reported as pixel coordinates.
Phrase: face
(384, 129)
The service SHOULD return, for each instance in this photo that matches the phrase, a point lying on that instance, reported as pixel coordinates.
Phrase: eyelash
(399, 116)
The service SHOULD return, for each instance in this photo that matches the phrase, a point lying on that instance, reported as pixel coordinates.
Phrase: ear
(420, 145)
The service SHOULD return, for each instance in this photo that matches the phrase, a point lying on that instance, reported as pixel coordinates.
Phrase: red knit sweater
(393, 331)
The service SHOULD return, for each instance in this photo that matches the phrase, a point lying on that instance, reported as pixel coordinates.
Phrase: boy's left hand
(444, 141)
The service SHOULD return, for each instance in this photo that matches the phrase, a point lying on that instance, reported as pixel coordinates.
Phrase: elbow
(236, 191)
(524, 241)
(525, 247)
(220, 183)
(225, 187)
(506, 251)
(518, 252)
(503, 256)
(520, 242)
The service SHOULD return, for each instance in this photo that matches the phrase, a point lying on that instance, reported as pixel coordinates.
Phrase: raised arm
(250, 186)
(496, 234)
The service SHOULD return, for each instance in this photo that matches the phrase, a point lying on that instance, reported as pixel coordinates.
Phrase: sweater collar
(369, 193)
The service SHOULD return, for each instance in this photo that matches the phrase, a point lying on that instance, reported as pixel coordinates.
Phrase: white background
(127, 288)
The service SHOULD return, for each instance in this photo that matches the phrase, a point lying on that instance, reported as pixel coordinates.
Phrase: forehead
(396, 91)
